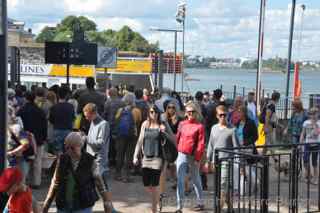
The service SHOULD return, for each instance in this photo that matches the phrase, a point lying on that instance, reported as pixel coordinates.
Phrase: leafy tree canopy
(125, 39)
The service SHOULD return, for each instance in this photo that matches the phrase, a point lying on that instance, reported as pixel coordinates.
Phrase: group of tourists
(97, 136)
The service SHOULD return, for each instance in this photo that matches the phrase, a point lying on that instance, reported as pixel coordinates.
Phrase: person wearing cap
(20, 196)
(75, 180)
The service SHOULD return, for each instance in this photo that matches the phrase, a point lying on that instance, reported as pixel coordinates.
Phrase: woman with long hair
(191, 145)
(151, 136)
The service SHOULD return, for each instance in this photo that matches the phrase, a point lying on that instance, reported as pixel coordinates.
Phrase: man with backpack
(128, 119)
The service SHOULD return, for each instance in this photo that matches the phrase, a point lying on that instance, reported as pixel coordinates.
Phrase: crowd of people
(97, 136)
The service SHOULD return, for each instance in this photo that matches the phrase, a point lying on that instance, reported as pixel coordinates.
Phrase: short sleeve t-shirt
(21, 202)
(312, 131)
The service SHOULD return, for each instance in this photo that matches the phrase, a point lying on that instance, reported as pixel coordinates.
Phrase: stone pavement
(131, 197)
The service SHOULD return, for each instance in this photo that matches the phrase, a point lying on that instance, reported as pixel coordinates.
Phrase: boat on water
(189, 78)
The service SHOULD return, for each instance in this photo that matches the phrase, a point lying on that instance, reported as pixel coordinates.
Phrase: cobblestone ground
(131, 197)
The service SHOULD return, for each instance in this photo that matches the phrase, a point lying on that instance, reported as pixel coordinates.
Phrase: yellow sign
(131, 66)
(74, 71)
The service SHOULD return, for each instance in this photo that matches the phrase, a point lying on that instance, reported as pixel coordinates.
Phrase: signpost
(79, 52)
(4, 83)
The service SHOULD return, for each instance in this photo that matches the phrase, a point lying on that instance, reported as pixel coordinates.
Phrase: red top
(21, 202)
(190, 138)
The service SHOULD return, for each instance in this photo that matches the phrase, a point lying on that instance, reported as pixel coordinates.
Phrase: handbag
(169, 151)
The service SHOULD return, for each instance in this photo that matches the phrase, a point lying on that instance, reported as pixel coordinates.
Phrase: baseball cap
(9, 177)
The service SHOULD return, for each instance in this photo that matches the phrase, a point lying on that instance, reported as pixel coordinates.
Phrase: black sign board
(70, 53)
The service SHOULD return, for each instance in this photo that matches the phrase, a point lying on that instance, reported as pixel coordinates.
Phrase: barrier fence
(278, 181)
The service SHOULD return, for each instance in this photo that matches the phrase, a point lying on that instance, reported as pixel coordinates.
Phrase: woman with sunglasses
(152, 134)
(191, 145)
(75, 180)
(172, 119)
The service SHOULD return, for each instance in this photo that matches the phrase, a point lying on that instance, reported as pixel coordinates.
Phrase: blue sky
(221, 28)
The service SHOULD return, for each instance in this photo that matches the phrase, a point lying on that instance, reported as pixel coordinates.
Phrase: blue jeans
(185, 165)
(87, 210)
(57, 144)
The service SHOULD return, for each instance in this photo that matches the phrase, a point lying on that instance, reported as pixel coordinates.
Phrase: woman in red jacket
(191, 145)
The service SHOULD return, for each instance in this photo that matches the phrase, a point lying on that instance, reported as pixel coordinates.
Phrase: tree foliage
(125, 39)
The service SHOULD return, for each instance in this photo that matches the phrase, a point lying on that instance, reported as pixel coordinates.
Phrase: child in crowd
(20, 196)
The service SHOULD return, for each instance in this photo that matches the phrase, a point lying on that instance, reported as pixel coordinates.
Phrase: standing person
(128, 119)
(221, 136)
(61, 116)
(295, 124)
(90, 95)
(172, 120)
(75, 180)
(141, 104)
(252, 107)
(151, 135)
(268, 117)
(41, 100)
(191, 145)
(35, 121)
(310, 136)
(111, 107)
(246, 135)
(234, 115)
(98, 141)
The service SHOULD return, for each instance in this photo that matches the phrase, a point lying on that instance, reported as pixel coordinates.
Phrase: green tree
(46, 34)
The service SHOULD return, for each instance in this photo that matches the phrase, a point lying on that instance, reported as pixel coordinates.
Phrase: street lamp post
(180, 17)
(175, 31)
(293, 9)
(4, 82)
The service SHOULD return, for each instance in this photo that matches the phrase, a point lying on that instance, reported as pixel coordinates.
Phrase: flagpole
(260, 53)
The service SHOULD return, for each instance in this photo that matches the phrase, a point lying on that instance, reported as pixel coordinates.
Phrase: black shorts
(151, 177)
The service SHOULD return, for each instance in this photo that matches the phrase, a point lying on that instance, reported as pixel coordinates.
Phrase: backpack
(126, 125)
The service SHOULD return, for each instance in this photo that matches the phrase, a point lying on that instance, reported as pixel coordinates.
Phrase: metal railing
(278, 181)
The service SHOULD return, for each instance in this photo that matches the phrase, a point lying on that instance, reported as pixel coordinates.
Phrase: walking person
(98, 142)
(151, 136)
(191, 145)
(61, 116)
(222, 136)
(112, 105)
(128, 119)
(75, 180)
(35, 121)
(310, 135)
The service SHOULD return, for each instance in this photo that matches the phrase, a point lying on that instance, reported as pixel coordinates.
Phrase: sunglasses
(222, 115)
(190, 111)
(171, 107)
(152, 112)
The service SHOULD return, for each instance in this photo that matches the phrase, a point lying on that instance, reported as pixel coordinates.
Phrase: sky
(219, 28)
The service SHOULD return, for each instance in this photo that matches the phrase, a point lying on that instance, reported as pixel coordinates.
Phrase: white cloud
(218, 27)
(117, 23)
(36, 28)
(12, 3)
(83, 6)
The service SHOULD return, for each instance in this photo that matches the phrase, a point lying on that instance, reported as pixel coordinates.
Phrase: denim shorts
(106, 180)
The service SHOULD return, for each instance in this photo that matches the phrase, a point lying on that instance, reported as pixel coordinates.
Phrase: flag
(296, 82)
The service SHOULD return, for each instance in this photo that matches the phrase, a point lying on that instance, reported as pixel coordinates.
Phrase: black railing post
(217, 183)
(294, 181)
(265, 185)
(234, 91)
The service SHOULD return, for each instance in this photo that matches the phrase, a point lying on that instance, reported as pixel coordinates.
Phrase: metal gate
(279, 181)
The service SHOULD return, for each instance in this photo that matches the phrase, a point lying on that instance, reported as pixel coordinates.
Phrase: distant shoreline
(243, 69)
